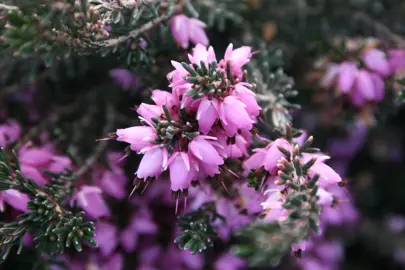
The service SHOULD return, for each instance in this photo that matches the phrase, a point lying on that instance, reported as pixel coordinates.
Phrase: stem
(7, 7)
(89, 162)
(146, 27)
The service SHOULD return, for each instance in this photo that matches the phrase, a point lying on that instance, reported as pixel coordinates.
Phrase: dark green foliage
(198, 232)
(52, 226)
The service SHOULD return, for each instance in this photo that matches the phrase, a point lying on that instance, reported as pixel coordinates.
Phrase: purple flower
(234, 116)
(396, 59)
(376, 61)
(138, 137)
(15, 199)
(152, 163)
(124, 78)
(106, 237)
(90, 199)
(228, 261)
(207, 114)
(9, 132)
(237, 58)
(186, 29)
(273, 155)
(327, 176)
(180, 171)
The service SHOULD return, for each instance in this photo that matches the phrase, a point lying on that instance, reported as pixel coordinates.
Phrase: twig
(7, 7)
(381, 29)
(146, 27)
(89, 162)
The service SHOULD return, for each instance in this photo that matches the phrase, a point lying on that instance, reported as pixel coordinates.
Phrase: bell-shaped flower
(237, 58)
(153, 162)
(396, 59)
(207, 114)
(185, 29)
(247, 97)
(161, 97)
(179, 164)
(327, 176)
(90, 199)
(348, 73)
(202, 54)
(106, 237)
(15, 199)
(376, 61)
(274, 154)
(205, 152)
(138, 137)
(9, 132)
(234, 116)
(124, 78)
(149, 111)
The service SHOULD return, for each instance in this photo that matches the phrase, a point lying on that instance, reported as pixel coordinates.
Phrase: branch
(110, 115)
(7, 7)
(380, 28)
(144, 28)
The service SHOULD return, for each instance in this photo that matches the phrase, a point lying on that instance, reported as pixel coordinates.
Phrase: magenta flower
(396, 59)
(152, 163)
(234, 116)
(256, 160)
(347, 75)
(149, 111)
(273, 155)
(9, 132)
(248, 98)
(138, 137)
(90, 199)
(228, 261)
(15, 199)
(180, 171)
(207, 114)
(106, 238)
(327, 176)
(237, 58)
(206, 154)
(376, 61)
(186, 29)
(125, 78)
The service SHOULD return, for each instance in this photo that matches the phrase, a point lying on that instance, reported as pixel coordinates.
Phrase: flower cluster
(205, 119)
(363, 79)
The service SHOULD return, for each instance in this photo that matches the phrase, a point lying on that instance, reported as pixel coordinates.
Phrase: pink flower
(234, 116)
(161, 98)
(152, 163)
(367, 88)
(376, 61)
(15, 199)
(327, 176)
(202, 54)
(347, 75)
(123, 77)
(138, 137)
(106, 237)
(273, 206)
(180, 171)
(273, 155)
(237, 58)
(186, 29)
(206, 154)
(90, 199)
(396, 59)
(149, 111)
(207, 114)
(9, 132)
(113, 184)
(248, 98)
(256, 160)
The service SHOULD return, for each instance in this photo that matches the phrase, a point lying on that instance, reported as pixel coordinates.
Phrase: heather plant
(201, 134)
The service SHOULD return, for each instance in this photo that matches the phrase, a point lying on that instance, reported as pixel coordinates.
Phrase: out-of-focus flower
(90, 199)
(15, 199)
(9, 132)
(228, 261)
(124, 78)
(185, 29)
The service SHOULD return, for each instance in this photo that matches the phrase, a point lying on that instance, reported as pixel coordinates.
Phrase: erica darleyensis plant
(176, 134)
(201, 132)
